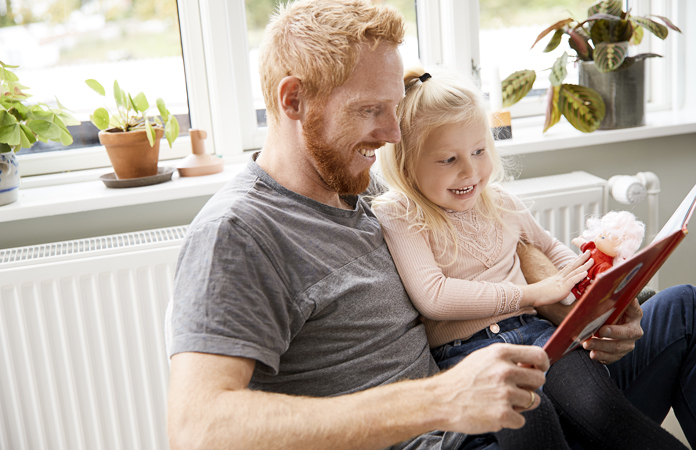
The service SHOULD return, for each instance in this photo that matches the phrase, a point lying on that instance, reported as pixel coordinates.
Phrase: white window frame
(448, 33)
(218, 74)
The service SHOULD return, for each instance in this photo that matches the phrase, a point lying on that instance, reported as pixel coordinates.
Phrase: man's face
(342, 134)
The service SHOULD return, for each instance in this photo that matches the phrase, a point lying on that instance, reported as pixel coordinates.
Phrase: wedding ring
(532, 401)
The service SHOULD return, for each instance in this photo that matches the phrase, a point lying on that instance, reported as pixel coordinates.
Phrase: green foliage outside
(515, 13)
(133, 42)
(258, 13)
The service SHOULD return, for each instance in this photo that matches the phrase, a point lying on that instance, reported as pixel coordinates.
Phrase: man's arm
(210, 406)
(614, 342)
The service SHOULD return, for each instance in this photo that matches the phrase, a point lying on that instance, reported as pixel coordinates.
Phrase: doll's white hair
(621, 226)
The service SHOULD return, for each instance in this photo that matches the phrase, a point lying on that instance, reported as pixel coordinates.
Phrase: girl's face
(454, 166)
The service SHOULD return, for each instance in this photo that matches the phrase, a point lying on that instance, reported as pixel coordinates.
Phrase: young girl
(453, 233)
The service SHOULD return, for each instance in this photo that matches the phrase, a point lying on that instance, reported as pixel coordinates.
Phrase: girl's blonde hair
(445, 98)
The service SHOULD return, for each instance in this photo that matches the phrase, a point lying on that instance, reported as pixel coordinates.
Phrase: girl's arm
(558, 286)
(435, 295)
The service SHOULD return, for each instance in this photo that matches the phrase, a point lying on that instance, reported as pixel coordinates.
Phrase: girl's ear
(290, 97)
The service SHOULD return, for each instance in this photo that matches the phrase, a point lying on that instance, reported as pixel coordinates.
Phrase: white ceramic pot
(9, 178)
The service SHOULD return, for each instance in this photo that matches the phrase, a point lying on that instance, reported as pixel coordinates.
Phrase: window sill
(81, 196)
(66, 193)
(528, 137)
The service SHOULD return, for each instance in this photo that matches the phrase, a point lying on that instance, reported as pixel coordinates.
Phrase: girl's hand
(556, 288)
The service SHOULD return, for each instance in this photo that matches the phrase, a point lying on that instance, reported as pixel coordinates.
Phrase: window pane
(258, 13)
(510, 27)
(65, 42)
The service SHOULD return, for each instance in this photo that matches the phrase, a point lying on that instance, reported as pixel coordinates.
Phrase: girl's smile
(454, 166)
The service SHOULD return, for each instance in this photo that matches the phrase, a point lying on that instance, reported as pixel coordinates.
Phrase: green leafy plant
(21, 125)
(604, 37)
(132, 114)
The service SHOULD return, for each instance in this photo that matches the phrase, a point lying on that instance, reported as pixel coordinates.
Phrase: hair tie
(424, 77)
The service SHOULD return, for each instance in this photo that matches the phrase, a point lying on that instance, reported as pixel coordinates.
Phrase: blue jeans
(661, 372)
(525, 329)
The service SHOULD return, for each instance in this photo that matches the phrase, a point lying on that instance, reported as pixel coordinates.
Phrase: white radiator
(562, 203)
(82, 360)
(82, 352)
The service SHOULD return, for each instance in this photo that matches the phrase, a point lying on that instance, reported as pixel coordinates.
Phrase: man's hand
(490, 388)
(618, 339)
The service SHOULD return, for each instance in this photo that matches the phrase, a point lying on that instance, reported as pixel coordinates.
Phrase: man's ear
(290, 100)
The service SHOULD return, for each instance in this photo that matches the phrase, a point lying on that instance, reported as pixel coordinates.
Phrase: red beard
(332, 163)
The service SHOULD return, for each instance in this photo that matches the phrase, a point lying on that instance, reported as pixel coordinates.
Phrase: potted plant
(131, 136)
(21, 125)
(601, 44)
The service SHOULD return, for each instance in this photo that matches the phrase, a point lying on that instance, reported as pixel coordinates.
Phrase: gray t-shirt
(307, 290)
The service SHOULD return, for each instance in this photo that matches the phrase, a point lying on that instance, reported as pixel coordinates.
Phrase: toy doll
(611, 240)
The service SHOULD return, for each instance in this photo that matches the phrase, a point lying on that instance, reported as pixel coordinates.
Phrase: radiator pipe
(631, 190)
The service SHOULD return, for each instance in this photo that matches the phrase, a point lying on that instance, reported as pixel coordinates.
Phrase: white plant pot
(9, 178)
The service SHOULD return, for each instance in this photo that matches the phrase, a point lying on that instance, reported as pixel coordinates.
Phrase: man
(291, 327)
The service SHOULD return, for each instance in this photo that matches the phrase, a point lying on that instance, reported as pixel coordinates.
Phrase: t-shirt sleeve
(435, 295)
(532, 232)
(228, 298)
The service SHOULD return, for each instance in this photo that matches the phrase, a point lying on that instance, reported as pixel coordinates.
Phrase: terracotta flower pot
(130, 152)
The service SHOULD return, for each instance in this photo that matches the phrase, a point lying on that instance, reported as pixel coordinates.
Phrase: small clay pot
(130, 152)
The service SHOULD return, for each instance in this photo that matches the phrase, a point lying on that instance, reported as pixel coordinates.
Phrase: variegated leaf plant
(604, 37)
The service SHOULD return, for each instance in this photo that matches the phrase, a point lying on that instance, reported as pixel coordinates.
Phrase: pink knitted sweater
(480, 287)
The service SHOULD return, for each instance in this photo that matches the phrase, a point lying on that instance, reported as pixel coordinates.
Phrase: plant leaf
(609, 56)
(28, 135)
(9, 129)
(65, 138)
(668, 23)
(637, 36)
(100, 118)
(150, 132)
(115, 122)
(517, 86)
(8, 75)
(45, 129)
(612, 7)
(164, 112)
(556, 26)
(655, 28)
(555, 40)
(630, 60)
(7, 65)
(118, 96)
(559, 71)
(171, 130)
(582, 106)
(96, 87)
(4, 148)
(140, 102)
(611, 31)
(580, 44)
(66, 118)
(553, 114)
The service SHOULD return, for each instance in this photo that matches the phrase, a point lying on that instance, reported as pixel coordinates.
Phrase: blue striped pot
(9, 178)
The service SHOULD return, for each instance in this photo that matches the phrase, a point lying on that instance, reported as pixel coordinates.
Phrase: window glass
(258, 13)
(58, 44)
(510, 27)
